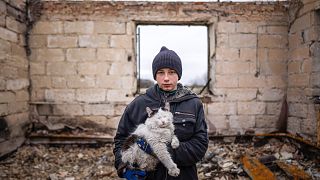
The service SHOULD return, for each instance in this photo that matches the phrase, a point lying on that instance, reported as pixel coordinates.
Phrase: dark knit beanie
(166, 59)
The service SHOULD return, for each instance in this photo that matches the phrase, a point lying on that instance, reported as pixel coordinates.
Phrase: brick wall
(81, 68)
(14, 79)
(250, 74)
(304, 67)
(82, 64)
(83, 61)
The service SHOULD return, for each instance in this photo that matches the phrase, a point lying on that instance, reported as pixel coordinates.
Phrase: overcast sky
(189, 42)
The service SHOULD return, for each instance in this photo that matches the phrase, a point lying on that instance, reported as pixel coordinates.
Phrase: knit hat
(166, 59)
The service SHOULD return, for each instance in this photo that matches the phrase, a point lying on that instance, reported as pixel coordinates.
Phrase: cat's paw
(174, 172)
(175, 144)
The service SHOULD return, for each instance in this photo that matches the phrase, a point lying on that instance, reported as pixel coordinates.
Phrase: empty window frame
(190, 42)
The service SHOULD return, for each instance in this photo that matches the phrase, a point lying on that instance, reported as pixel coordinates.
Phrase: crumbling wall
(304, 67)
(14, 79)
(83, 63)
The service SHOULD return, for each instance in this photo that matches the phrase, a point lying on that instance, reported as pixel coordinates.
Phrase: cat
(157, 131)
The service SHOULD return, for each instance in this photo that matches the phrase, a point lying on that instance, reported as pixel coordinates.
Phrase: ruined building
(73, 63)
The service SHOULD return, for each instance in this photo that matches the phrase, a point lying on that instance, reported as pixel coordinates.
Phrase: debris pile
(245, 158)
(68, 162)
(226, 158)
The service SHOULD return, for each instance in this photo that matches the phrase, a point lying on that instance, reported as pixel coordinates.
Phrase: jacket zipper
(182, 113)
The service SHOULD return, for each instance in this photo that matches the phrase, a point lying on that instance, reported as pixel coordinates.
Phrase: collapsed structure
(72, 64)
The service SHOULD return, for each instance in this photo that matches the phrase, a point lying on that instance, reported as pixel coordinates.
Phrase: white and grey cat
(158, 131)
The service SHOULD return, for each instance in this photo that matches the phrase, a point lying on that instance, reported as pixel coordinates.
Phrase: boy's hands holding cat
(134, 174)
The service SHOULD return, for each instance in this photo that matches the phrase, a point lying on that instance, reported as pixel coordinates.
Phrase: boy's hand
(134, 174)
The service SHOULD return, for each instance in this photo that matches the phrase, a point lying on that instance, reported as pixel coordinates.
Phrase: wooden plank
(256, 170)
(293, 171)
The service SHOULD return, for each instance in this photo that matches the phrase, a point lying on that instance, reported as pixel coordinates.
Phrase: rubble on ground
(222, 160)
(67, 162)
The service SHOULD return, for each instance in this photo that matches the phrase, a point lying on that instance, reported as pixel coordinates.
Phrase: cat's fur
(158, 131)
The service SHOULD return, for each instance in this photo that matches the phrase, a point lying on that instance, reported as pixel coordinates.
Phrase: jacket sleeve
(193, 150)
(132, 116)
(121, 135)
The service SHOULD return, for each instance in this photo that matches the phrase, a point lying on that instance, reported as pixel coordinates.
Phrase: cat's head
(161, 118)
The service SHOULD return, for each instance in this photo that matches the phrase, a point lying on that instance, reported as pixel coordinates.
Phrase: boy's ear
(149, 111)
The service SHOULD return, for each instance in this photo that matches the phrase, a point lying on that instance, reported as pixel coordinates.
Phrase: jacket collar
(182, 93)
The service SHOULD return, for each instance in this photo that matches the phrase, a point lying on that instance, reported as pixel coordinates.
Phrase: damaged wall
(83, 63)
(14, 78)
(304, 67)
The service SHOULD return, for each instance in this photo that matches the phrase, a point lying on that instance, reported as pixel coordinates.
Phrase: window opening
(190, 42)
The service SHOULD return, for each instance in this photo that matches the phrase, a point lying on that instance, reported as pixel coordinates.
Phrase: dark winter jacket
(190, 128)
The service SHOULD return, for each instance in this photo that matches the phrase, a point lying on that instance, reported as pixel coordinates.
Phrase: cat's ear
(167, 106)
(149, 111)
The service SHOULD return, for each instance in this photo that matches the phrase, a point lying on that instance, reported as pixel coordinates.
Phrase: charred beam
(256, 170)
(297, 138)
(293, 171)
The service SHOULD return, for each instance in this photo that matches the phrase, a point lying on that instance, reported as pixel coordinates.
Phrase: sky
(189, 42)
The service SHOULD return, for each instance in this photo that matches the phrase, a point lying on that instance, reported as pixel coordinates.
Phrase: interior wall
(83, 61)
(14, 77)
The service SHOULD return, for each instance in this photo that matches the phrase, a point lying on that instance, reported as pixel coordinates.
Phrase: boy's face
(167, 79)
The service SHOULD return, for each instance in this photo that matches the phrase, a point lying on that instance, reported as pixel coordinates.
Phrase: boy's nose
(166, 77)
